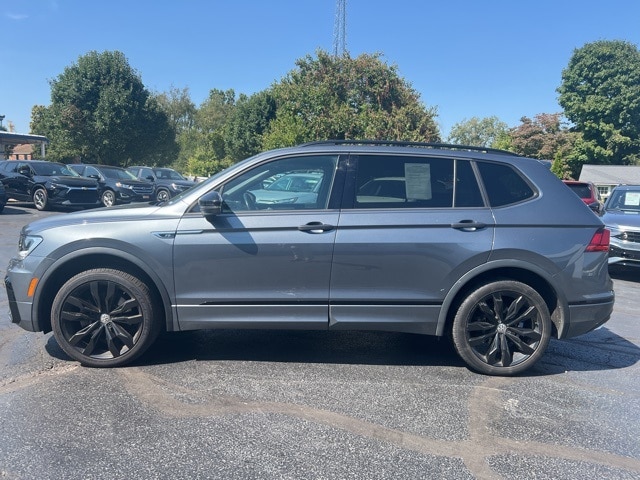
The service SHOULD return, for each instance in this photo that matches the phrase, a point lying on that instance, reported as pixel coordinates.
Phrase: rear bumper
(587, 317)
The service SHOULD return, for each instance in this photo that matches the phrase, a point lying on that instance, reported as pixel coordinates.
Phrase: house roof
(610, 174)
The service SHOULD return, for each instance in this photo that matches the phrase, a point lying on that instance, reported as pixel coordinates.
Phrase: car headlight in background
(27, 244)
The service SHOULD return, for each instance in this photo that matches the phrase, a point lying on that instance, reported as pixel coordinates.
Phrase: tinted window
(503, 184)
(285, 184)
(414, 182)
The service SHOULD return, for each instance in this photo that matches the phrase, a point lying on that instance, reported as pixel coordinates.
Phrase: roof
(610, 174)
(11, 138)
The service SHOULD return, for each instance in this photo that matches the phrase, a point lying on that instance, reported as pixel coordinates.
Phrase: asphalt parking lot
(317, 405)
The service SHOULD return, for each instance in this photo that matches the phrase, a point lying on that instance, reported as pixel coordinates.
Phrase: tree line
(101, 112)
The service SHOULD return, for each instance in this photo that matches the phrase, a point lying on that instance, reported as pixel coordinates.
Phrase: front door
(266, 259)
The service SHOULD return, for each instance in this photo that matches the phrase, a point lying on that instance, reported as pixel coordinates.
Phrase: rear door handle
(468, 225)
(316, 227)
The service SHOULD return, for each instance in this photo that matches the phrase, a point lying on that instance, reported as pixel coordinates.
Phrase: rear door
(410, 227)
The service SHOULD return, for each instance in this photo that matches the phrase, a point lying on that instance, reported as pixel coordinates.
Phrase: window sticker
(632, 199)
(418, 181)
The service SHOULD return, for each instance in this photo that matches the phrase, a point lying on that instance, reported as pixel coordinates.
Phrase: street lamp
(1, 119)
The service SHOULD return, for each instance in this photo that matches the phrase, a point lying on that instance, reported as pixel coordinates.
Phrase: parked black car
(47, 184)
(3, 197)
(117, 186)
(167, 181)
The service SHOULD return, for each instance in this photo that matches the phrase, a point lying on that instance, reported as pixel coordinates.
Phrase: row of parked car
(49, 184)
(620, 214)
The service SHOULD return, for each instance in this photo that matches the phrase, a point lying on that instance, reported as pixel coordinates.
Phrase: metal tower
(340, 28)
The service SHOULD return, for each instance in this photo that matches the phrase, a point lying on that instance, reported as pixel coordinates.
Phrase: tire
(163, 195)
(104, 318)
(502, 328)
(41, 199)
(108, 198)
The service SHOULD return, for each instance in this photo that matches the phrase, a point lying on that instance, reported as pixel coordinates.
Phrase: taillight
(599, 241)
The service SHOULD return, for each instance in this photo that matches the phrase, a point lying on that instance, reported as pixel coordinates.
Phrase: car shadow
(596, 351)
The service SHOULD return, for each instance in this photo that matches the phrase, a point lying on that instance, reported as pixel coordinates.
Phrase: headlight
(124, 185)
(27, 244)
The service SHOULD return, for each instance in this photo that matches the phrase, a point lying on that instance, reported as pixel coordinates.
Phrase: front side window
(415, 182)
(298, 183)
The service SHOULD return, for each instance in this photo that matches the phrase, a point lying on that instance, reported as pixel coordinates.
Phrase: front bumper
(621, 254)
(20, 312)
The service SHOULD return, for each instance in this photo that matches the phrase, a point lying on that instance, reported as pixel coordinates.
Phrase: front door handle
(468, 225)
(316, 227)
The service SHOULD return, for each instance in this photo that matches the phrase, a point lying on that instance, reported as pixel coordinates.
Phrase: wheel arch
(69, 265)
(527, 274)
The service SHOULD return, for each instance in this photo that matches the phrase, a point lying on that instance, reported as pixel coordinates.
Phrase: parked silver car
(622, 218)
(484, 246)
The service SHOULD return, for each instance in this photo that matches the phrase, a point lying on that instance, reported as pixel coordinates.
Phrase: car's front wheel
(104, 318)
(41, 199)
(163, 195)
(502, 328)
(108, 198)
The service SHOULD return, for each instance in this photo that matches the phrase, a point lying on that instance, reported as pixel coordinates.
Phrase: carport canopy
(12, 139)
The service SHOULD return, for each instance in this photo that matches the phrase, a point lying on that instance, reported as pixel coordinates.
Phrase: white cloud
(16, 16)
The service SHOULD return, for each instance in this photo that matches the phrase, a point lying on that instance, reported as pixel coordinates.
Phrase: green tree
(330, 97)
(181, 111)
(600, 94)
(101, 112)
(478, 132)
(247, 124)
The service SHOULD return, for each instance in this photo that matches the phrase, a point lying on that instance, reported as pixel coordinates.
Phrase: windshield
(628, 200)
(50, 169)
(118, 174)
(167, 174)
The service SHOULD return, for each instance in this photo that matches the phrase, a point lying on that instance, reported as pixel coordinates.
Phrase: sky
(466, 58)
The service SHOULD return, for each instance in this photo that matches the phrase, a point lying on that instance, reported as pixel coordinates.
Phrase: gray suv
(480, 245)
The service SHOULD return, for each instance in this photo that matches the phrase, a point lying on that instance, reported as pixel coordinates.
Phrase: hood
(119, 213)
(72, 181)
(621, 218)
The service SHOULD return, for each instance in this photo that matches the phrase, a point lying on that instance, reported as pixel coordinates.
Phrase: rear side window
(504, 185)
(415, 182)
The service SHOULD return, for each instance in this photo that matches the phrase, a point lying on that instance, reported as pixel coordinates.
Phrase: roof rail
(395, 143)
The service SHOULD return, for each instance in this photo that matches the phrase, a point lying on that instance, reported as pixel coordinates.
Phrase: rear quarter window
(504, 185)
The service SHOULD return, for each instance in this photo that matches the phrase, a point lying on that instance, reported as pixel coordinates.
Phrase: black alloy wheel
(502, 328)
(104, 318)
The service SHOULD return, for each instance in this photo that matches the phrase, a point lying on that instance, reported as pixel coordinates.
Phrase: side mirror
(210, 204)
(149, 177)
(24, 170)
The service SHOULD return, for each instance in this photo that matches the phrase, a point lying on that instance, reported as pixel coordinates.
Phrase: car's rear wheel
(104, 318)
(163, 195)
(41, 199)
(108, 198)
(502, 328)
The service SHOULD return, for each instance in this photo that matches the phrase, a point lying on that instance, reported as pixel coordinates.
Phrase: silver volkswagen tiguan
(480, 245)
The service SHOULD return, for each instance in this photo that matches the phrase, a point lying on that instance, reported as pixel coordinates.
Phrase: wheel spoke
(498, 306)
(506, 357)
(82, 304)
(109, 294)
(83, 333)
(522, 347)
(125, 306)
(123, 335)
(480, 326)
(91, 345)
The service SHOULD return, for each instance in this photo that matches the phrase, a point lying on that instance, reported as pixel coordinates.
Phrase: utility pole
(340, 29)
